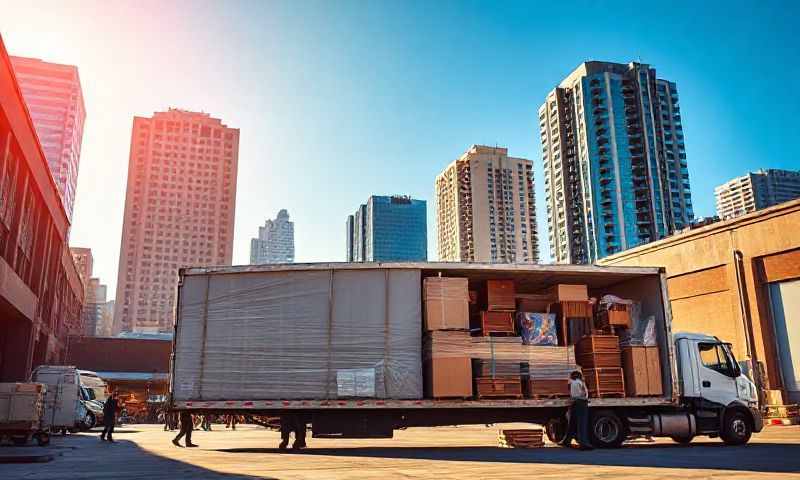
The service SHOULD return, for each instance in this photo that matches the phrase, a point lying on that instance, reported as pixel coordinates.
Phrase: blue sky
(340, 100)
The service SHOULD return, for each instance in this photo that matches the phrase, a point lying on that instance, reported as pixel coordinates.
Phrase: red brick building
(40, 290)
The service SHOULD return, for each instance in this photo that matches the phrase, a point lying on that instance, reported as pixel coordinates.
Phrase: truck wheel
(556, 429)
(682, 440)
(736, 429)
(607, 430)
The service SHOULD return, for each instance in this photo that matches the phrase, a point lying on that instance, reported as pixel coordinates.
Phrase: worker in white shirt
(578, 412)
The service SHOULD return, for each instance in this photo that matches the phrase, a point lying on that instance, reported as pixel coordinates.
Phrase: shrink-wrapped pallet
(294, 334)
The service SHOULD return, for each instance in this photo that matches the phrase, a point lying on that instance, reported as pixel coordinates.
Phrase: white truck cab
(713, 388)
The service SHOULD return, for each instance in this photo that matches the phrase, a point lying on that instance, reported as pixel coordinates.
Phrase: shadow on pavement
(755, 457)
(88, 457)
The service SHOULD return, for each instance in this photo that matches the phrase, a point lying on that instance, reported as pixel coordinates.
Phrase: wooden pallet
(600, 360)
(498, 387)
(497, 323)
(548, 388)
(597, 344)
(605, 382)
(521, 438)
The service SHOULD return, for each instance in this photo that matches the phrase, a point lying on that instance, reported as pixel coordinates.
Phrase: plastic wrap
(316, 334)
(446, 303)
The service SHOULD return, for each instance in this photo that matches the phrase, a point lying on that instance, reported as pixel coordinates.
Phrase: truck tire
(607, 430)
(736, 429)
(556, 429)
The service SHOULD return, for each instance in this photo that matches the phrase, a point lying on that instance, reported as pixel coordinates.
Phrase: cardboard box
(642, 367)
(448, 377)
(447, 368)
(446, 303)
(563, 292)
(773, 397)
(500, 295)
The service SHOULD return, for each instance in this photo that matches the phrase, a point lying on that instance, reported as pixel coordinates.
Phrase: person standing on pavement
(187, 425)
(578, 412)
(109, 417)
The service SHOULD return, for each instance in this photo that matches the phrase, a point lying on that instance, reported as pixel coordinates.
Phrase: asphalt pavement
(145, 452)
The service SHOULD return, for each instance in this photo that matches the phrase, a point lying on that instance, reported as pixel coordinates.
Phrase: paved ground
(144, 451)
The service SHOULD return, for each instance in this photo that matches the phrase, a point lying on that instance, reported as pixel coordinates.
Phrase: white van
(64, 408)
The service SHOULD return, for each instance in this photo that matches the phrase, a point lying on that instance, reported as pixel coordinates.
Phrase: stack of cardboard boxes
(447, 366)
(527, 344)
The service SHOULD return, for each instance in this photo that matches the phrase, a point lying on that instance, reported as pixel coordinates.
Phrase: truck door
(717, 373)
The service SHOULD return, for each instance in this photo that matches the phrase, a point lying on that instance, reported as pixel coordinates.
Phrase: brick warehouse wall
(40, 290)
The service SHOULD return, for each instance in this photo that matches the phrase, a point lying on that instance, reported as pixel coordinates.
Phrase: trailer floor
(145, 451)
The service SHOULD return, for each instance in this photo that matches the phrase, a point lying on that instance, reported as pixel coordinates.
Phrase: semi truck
(251, 340)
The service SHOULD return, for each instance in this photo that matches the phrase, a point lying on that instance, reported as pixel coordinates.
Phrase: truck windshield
(717, 357)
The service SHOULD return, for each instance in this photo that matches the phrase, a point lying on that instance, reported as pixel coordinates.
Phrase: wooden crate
(497, 323)
(597, 344)
(500, 295)
(565, 292)
(600, 360)
(604, 382)
(548, 388)
(498, 387)
(642, 367)
(614, 318)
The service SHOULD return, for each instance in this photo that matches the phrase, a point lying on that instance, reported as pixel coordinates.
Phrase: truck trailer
(339, 346)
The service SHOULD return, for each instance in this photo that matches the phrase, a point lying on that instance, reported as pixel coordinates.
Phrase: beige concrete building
(179, 211)
(485, 209)
(755, 191)
(739, 280)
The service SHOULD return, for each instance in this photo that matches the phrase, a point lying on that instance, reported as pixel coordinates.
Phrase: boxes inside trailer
(560, 310)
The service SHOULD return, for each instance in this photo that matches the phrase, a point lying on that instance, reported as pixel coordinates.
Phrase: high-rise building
(755, 191)
(105, 325)
(94, 306)
(485, 208)
(84, 262)
(54, 98)
(275, 242)
(388, 229)
(179, 211)
(40, 290)
(614, 161)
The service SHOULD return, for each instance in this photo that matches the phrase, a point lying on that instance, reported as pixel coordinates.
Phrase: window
(714, 356)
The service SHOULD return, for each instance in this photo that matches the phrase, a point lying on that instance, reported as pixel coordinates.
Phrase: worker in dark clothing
(296, 424)
(109, 417)
(578, 412)
(187, 425)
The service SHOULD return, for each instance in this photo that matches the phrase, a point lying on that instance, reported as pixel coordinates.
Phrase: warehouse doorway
(785, 306)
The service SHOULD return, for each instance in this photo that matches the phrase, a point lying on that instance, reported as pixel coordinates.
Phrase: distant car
(94, 409)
